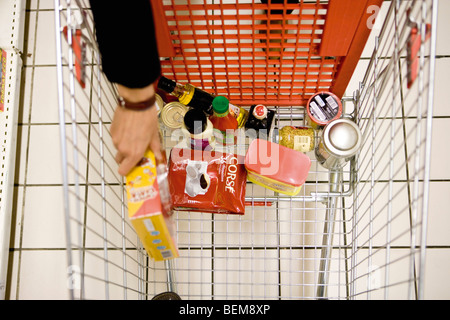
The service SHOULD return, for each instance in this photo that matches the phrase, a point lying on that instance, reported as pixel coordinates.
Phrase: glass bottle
(198, 130)
(188, 94)
(224, 123)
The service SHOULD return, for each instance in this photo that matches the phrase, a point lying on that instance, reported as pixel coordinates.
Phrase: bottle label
(240, 114)
(234, 110)
(224, 137)
(200, 144)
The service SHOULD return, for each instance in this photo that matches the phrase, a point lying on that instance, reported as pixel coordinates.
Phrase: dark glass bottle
(260, 119)
(198, 130)
(188, 94)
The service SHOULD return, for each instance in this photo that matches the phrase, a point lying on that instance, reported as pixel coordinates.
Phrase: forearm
(126, 39)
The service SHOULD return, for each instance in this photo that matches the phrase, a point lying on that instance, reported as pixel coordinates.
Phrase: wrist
(136, 94)
(136, 98)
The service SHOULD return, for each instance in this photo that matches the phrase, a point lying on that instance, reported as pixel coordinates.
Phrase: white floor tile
(383, 275)
(44, 162)
(43, 275)
(246, 274)
(441, 88)
(385, 222)
(108, 204)
(298, 273)
(442, 45)
(44, 106)
(194, 276)
(43, 223)
(439, 153)
(438, 218)
(42, 4)
(102, 153)
(256, 228)
(44, 158)
(194, 229)
(110, 275)
(45, 37)
(436, 271)
(301, 224)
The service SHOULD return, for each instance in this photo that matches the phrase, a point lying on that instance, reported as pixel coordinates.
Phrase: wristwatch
(138, 106)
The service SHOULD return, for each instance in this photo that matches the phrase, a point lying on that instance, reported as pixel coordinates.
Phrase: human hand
(134, 132)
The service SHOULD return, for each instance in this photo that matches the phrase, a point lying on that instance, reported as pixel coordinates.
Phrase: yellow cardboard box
(154, 227)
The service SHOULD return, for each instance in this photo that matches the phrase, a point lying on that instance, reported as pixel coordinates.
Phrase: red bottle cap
(260, 112)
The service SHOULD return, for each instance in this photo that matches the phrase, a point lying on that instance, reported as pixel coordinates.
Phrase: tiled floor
(38, 261)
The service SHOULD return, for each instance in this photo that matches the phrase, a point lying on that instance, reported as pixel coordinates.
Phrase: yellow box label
(273, 184)
(144, 210)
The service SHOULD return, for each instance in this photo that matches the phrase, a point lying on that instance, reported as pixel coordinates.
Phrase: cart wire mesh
(394, 110)
(334, 240)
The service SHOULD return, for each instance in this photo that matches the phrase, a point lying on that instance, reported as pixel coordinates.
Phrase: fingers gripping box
(155, 228)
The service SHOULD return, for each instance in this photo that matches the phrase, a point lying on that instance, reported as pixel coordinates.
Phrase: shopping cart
(354, 233)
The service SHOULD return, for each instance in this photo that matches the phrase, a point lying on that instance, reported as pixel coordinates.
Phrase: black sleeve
(278, 2)
(126, 39)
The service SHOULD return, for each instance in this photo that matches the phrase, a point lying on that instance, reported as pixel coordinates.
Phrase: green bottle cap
(220, 104)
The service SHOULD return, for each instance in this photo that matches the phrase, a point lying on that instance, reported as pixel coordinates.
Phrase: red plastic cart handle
(79, 49)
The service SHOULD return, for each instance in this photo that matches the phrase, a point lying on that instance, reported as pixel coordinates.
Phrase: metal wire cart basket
(353, 233)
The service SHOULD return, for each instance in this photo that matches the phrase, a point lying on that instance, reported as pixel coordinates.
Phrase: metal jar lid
(172, 114)
(159, 102)
(342, 138)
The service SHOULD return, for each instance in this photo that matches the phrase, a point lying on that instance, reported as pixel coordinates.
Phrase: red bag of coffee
(207, 181)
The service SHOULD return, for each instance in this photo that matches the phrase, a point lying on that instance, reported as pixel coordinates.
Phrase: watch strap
(138, 106)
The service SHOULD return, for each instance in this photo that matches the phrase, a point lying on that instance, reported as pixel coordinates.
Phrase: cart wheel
(167, 296)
